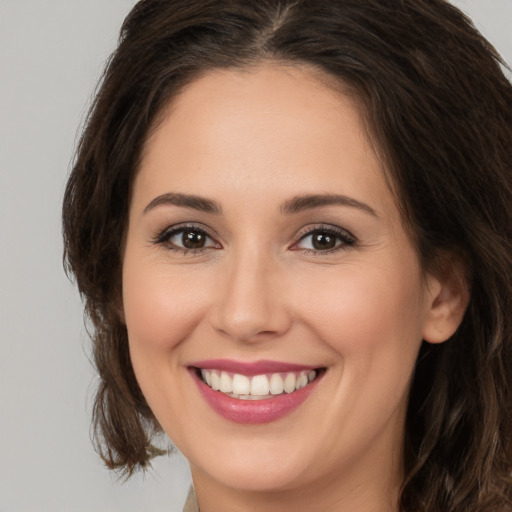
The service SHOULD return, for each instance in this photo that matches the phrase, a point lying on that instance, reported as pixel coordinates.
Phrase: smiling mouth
(257, 387)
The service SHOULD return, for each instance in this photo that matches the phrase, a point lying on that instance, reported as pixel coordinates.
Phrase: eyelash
(165, 237)
(346, 239)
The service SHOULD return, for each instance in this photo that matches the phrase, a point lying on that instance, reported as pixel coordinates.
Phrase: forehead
(250, 98)
(279, 129)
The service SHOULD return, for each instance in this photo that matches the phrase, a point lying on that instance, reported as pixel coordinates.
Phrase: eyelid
(162, 237)
(346, 237)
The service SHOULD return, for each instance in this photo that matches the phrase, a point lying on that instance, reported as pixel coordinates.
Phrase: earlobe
(449, 297)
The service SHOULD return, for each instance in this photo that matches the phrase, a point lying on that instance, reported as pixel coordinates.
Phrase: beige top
(191, 504)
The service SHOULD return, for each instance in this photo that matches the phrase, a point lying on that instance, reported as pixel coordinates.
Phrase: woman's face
(265, 249)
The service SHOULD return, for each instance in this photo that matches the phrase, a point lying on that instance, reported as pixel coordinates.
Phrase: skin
(251, 140)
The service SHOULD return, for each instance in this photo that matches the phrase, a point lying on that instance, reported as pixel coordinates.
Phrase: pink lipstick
(254, 392)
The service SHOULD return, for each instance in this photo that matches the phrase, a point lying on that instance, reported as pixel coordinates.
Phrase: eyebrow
(290, 207)
(308, 202)
(186, 201)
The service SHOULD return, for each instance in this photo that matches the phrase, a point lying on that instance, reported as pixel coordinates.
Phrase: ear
(448, 296)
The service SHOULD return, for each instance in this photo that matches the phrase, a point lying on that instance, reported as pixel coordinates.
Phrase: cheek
(161, 308)
(371, 319)
(370, 314)
(161, 311)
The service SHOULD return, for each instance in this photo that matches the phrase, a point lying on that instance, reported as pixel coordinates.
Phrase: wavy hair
(438, 109)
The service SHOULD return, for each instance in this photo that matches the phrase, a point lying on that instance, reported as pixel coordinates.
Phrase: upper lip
(250, 368)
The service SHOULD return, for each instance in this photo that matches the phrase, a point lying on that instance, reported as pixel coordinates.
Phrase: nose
(250, 304)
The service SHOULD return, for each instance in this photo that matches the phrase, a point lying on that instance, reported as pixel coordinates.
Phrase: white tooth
(206, 377)
(215, 381)
(302, 381)
(276, 384)
(259, 385)
(289, 383)
(312, 375)
(241, 384)
(226, 385)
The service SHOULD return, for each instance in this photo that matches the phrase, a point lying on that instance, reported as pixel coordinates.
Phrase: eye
(325, 240)
(187, 239)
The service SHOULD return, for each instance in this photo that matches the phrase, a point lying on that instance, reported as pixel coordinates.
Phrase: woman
(291, 224)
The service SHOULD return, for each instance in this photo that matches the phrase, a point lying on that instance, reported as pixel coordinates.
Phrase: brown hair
(439, 110)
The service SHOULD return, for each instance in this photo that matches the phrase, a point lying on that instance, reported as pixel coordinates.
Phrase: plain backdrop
(51, 55)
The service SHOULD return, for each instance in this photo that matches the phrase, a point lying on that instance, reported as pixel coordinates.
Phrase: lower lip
(253, 411)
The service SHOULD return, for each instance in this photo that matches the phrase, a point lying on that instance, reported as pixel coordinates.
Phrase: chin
(257, 474)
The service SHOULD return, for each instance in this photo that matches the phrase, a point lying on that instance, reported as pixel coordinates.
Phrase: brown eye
(187, 239)
(193, 239)
(323, 241)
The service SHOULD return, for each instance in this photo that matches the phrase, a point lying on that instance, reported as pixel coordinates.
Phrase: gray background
(51, 55)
